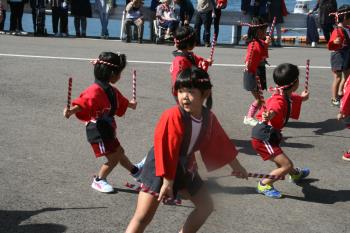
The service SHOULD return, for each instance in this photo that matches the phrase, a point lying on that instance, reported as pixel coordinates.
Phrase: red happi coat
(345, 101)
(94, 103)
(279, 105)
(256, 54)
(344, 39)
(170, 142)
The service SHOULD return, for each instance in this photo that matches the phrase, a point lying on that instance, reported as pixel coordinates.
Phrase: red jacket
(94, 103)
(215, 146)
(345, 101)
(338, 32)
(279, 105)
(256, 53)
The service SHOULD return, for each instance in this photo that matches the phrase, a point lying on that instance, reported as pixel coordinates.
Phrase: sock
(134, 170)
(97, 178)
(252, 110)
(261, 183)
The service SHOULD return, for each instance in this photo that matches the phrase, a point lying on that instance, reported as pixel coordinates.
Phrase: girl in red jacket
(96, 107)
(339, 43)
(255, 61)
(169, 168)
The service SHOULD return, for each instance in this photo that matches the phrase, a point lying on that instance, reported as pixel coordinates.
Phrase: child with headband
(339, 43)
(266, 135)
(344, 112)
(96, 107)
(185, 41)
(169, 168)
(255, 61)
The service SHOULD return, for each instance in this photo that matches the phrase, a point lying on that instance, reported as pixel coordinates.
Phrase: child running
(169, 169)
(266, 136)
(344, 112)
(255, 62)
(339, 43)
(96, 106)
(185, 41)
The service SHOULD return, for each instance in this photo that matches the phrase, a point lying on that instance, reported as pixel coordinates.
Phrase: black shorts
(191, 182)
(249, 79)
(340, 60)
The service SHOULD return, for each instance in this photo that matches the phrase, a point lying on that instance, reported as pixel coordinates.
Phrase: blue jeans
(104, 17)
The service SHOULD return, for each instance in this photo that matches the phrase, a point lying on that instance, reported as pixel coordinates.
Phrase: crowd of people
(170, 170)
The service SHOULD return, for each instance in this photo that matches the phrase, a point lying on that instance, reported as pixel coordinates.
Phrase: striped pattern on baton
(307, 75)
(272, 28)
(213, 44)
(259, 175)
(69, 96)
(134, 85)
(144, 189)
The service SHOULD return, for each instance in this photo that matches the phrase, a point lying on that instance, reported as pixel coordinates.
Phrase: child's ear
(206, 93)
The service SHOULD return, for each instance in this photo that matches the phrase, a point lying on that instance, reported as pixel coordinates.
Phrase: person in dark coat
(326, 21)
(276, 8)
(81, 9)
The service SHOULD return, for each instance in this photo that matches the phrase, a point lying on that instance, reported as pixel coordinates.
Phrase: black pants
(59, 15)
(80, 21)
(3, 20)
(16, 16)
(217, 21)
(327, 30)
(205, 19)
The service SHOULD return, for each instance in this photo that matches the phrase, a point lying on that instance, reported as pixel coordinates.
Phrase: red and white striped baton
(69, 96)
(259, 175)
(213, 44)
(307, 75)
(134, 85)
(272, 28)
(144, 189)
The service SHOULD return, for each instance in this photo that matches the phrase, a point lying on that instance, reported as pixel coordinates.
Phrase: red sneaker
(346, 156)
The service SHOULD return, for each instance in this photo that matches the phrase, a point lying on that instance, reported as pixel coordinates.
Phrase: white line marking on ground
(134, 61)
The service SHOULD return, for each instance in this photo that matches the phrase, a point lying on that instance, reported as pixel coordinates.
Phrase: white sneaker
(139, 166)
(23, 33)
(250, 121)
(313, 44)
(102, 186)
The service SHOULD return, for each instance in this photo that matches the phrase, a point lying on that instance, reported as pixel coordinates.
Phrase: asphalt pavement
(46, 164)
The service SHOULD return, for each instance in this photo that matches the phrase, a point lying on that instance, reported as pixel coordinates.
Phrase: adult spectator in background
(219, 5)
(36, 5)
(326, 21)
(16, 7)
(2, 17)
(186, 11)
(278, 9)
(203, 16)
(104, 8)
(59, 16)
(166, 18)
(81, 9)
(134, 16)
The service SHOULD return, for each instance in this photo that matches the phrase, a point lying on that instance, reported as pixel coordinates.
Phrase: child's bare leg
(342, 82)
(255, 106)
(335, 84)
(112, 161)
(146, 208)
(124, 161)
(284, 166)
(203, 208)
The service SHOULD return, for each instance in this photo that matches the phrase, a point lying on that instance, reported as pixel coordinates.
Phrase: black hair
(195, 78)
(344, 8)
(186, 37)
(253, 31)
(285, 74)
(103, 71)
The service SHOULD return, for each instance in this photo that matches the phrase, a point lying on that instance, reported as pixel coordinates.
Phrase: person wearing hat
(166, 18)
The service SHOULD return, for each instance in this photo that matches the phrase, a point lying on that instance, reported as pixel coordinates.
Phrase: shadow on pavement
(10, 221)
(322, 127)
(214, 187)
(318, 195)
(244, 146)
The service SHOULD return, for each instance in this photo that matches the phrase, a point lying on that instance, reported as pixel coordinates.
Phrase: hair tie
(279, 89)
(98, 61)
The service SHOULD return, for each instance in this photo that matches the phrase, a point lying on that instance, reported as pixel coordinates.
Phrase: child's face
(191, 100)
(114, 78)
(262, 33)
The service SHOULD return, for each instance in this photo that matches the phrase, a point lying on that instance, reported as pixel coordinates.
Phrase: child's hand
(305, 95)
(337, 40)
(67, 112)
(268, 40)
(132, 104)
(166, 191)
(267, 115)
(210, 62)
(238, 170)
(340, 116)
